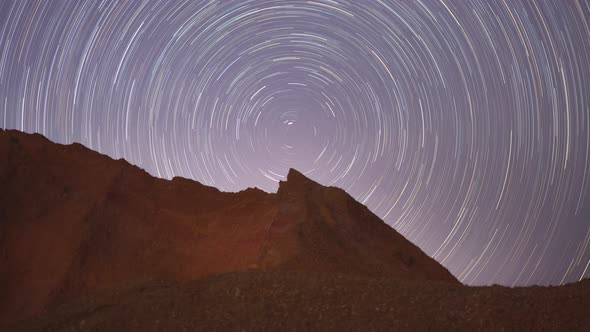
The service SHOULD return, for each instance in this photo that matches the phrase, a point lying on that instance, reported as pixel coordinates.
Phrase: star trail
(465, 125)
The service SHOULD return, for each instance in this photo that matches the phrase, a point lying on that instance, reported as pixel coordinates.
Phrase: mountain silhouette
(91, 243)
(75, 221)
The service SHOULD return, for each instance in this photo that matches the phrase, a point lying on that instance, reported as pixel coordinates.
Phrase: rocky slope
(302, 301)
(74, 222)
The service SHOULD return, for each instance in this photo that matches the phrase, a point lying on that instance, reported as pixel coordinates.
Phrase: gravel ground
(280, 301)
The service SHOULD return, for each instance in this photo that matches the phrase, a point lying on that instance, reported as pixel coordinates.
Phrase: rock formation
(74, 222)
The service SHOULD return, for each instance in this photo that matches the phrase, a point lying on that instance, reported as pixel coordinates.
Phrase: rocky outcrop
(73, 222)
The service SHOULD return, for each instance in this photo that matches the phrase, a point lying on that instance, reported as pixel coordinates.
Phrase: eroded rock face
(73, 221)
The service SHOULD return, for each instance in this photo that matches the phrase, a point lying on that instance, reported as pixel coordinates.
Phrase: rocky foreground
(279, 301)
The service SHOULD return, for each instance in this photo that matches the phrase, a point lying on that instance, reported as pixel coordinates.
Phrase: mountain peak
(295, 176)
(295, 182)
(121, 224)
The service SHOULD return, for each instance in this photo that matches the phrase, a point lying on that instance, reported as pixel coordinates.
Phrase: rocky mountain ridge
(74, 222)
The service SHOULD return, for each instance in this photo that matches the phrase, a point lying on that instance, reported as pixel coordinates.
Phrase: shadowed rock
(96, 244)
(74, 221)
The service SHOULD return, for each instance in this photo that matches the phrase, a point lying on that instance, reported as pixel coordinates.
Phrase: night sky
(465, 125)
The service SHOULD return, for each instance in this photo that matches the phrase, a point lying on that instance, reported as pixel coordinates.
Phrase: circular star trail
(464, 125)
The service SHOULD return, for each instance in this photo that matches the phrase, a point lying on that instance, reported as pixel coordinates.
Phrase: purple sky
(465, 125)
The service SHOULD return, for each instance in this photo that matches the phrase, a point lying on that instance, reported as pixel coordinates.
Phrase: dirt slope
(296, 301)
(74, 222)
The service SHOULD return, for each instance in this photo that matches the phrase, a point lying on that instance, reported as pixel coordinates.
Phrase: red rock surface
(74, 222)
(302, 301)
